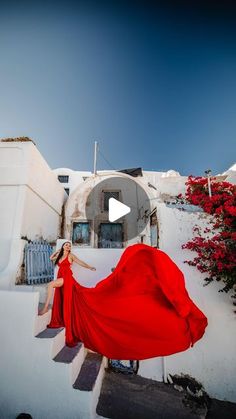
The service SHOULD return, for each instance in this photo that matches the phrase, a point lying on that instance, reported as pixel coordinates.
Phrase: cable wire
(112, 167)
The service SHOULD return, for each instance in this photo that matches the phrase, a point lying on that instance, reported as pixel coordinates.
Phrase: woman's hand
(92, 268)
(54, 255)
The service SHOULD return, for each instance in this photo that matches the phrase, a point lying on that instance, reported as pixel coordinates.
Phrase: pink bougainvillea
(215, 246)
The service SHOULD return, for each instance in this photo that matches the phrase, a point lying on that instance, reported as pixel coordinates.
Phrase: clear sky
(154, 85)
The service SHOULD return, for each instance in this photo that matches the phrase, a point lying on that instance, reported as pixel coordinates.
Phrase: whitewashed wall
(231, 174)
(75, 177)
(31, 382)
(170, 182)
(212, 360)
(40, 218)
(31, 199)
(8, 215)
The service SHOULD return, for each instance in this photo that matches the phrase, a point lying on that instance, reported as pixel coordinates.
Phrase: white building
(230, 174)
(32, 201)
(28, 207)
(158, 186)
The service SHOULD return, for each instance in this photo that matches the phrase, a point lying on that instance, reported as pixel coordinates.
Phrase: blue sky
(154, 85)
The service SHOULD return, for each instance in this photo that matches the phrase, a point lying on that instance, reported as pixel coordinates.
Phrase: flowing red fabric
(141, 310)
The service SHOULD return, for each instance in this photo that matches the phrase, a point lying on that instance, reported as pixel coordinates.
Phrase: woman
(141, 310)
(58, 257)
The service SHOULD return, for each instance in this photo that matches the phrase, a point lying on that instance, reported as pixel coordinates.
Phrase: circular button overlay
(123, 201)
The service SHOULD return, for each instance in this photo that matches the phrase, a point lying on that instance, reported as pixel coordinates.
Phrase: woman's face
(67, 246)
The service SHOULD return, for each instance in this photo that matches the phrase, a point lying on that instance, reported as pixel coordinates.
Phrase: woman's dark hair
(60, 253)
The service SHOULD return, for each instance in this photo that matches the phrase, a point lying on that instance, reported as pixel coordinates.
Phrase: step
(42, 320)
(67, 354)
(73, 357)
(40, 306)
(40, 288)
(89, 372)
(56, 335)
(49, 333)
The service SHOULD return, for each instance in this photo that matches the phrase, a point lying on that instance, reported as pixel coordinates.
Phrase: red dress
(141, 310)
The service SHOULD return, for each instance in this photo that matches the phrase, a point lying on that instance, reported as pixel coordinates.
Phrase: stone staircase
(81, 368)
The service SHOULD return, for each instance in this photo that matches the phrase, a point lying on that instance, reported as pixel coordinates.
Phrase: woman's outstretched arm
(81, 263)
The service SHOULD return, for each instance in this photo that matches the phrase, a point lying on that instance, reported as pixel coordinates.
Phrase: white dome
(170, 173)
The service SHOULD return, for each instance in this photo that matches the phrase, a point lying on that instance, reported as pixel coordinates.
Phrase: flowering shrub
(215, 246)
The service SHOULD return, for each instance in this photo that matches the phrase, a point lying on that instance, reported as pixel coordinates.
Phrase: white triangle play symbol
(116, 209)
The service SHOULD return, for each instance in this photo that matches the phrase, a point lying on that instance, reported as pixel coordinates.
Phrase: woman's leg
(53, 284)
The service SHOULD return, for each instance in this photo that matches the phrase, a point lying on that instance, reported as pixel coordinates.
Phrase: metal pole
(208, 173)
(209, 186)
(95, 158)
(164, 369)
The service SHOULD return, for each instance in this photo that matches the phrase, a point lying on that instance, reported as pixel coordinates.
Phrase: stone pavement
(221, 410)
(134, 397)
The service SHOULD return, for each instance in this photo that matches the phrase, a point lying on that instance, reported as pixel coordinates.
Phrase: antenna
(95, 158)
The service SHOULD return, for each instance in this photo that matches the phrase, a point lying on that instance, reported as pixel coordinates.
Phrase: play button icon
(117, 210)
